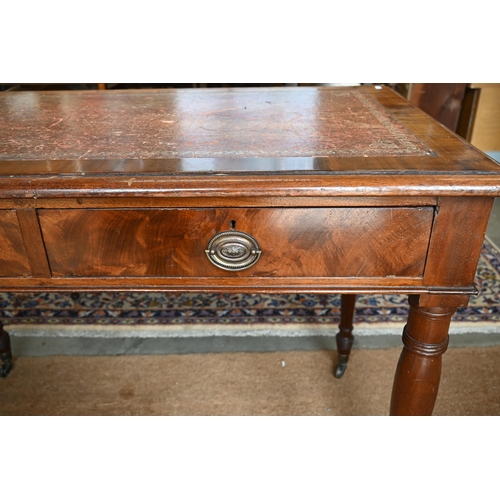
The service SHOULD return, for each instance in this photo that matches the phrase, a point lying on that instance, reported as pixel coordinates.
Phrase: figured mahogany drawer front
(13, 258)
(294, 242)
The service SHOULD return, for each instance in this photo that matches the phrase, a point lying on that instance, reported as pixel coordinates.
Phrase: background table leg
(345, 338)
(425, 339)
(5, 353)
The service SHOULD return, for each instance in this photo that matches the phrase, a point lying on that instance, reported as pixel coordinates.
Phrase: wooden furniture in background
(471, 110)
(325, 190)
(443, 101)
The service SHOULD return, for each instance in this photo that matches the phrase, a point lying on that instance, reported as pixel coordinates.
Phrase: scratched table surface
(190, 123)
(205, 130)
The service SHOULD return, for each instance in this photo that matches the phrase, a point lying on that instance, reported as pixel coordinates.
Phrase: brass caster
(340, 370)
(341, 367)
(6, 366)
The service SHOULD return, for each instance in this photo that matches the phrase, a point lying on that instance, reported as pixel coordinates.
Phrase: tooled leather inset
(244, 123)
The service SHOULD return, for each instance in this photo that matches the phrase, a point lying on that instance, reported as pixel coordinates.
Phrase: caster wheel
(340, 370)
(5, 369)
(6, 365)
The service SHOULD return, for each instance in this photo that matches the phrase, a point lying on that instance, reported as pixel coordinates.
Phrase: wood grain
(32, 236)
(418, 373)
(13, 258)
(251, 186)
(238, 284)
(457, 237)
(294, 242)
(210, 202)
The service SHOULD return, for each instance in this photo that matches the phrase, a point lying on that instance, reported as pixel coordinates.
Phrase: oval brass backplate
(233, 250)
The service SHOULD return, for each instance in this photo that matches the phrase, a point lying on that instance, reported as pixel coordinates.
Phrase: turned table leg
(5, 353)
(344, 338)
(425, 339)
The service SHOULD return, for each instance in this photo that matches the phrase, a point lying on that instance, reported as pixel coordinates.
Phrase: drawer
(13, 258)
(294, 242)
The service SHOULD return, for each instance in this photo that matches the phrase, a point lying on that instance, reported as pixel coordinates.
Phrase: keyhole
(232, 223)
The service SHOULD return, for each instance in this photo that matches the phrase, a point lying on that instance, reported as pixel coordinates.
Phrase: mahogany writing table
(324, 190)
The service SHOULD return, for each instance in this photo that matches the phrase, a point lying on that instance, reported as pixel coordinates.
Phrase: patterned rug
(252, 310)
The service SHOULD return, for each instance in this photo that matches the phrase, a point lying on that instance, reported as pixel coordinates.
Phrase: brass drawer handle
(233, 250)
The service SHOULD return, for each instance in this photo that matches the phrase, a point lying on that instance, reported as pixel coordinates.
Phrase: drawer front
(13, 258)
(295, 242)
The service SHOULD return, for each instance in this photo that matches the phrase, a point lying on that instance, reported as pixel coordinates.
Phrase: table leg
(425, 339)
(5, 353)
(344, 338)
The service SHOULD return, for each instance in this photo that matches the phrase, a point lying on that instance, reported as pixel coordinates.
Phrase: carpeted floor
(278, 383)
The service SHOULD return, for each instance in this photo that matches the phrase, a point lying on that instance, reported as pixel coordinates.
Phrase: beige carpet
(282, 383)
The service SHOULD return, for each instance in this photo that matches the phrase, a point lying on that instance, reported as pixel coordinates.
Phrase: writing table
(324, 190)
